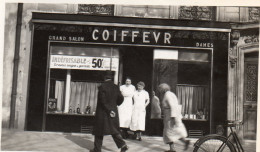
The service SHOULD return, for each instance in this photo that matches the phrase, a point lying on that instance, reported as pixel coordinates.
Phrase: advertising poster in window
(83, 62)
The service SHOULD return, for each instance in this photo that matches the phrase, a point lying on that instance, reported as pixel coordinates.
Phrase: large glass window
(188, 72)
(75, 73)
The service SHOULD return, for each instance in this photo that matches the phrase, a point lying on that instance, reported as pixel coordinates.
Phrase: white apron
(126, 108)
(139, 112)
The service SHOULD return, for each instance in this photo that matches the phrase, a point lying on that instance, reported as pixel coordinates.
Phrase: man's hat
(109, 75)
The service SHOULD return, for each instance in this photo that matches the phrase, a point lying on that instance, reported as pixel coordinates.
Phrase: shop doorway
(137, 63)
(250, 95)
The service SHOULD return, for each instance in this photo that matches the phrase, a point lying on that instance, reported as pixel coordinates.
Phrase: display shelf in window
(69, 114)
(194, 119)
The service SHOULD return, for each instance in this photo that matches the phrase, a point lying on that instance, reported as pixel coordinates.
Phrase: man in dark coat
(107, 120)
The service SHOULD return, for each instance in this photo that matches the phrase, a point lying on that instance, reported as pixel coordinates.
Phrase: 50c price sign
(97, 63)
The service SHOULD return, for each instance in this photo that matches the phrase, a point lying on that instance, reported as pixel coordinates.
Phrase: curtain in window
(83, 94)
(59, 94)
(192, 98)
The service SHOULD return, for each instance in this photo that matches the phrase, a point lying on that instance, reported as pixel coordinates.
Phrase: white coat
(139, 111)
(126, 108)
(172, 133)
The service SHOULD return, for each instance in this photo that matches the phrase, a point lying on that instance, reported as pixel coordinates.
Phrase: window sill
(194, 119)
(68, 114)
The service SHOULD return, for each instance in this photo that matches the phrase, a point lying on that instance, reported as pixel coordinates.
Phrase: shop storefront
(71, 52)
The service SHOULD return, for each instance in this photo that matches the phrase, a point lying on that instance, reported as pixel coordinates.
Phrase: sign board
(83, 62)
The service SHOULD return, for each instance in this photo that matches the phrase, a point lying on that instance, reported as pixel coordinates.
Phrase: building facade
(208, 55)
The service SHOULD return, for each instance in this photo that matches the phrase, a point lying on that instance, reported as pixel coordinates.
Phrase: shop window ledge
(194, 119)
(68, 114)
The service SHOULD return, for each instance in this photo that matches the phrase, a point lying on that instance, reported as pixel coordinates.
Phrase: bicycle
(219, 143)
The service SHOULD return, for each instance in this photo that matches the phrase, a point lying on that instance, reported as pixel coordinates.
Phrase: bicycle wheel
(212, 144)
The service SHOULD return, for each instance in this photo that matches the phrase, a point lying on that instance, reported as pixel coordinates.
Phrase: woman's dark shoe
(124, 134)
(170, 151)
(124, 148)
(187, 145)
(127, 135)
(138, 138)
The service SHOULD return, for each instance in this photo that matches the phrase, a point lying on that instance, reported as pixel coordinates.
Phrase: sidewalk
(76, 142)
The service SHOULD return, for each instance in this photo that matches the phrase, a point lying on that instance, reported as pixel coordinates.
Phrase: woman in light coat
(126, 108)
(174, 129)
(141, 100)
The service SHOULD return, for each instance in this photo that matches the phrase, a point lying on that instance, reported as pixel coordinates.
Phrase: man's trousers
(99, 141)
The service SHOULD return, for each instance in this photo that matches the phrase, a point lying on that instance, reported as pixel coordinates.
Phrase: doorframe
(242, 50)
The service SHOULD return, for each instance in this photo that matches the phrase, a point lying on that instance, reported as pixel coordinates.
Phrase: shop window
(165, 68)
(75, 74)
(131, 10)
(188, 73)
(236, 14)
(146, 11)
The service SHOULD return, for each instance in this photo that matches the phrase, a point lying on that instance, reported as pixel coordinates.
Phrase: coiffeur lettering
(121, 35)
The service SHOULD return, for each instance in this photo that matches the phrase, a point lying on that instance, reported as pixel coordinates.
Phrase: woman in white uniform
(174, 129)
(126, 108)
(141, 100)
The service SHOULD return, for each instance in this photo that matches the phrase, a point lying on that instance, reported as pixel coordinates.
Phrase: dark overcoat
(109, 97)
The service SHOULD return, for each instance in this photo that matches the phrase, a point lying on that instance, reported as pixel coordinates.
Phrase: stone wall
(244, 39)
(24, 60)
(9, 41)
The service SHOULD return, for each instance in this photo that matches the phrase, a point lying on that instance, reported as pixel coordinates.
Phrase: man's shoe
(124, 148)
(187, 145)
(126, 135)
(123, 136)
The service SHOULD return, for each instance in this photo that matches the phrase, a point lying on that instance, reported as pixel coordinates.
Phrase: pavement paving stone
(12, 140)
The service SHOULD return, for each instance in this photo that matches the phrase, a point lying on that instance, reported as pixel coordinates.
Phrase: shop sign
(142, 36)
(83, 62)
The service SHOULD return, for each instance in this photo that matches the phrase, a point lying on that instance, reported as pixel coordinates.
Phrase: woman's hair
(129, 78)
(141, 83)
(164, 87)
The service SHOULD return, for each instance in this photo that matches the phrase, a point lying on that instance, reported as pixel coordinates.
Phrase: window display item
(70, 110)
(52, 105)
(199, 114)
(88, 108)
(78, 110)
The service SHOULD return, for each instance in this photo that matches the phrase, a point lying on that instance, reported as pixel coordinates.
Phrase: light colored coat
(139, 111)
(172, 132)
(126, 108)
